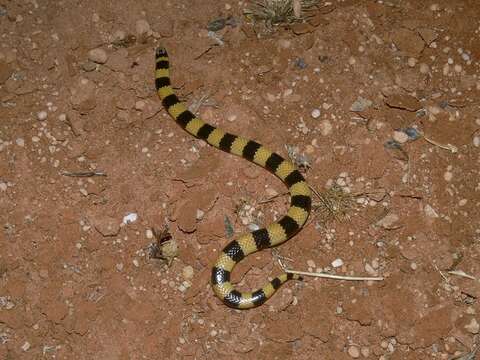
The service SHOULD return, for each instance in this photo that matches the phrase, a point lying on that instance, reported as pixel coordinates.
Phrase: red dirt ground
(77, 283)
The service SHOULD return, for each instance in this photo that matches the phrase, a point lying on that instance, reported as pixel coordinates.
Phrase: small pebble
(98, 56)
(476, 141)
(354, 352)
(26, 346)
(361, 104)
(370, 270)
(42, 115)
(140, 105)
(88, 66)
(430, 212)
(142, 27)
(400, 137)
(283, 43)
(412, 62)
(119, 35)
(130, 218)
(448, 176)
(325, 127)
(200, 214)
(316, 113)
(187, 272)
(473, 327)
(20, 142)
(365, 352)
(337, 263)
(424, 68)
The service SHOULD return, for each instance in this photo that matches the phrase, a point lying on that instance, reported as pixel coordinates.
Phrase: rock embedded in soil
(354, 352)
(98, 56)
(404, 102)
(83, 95)
(389, 222)
(361, 104)
(5, 71)
(408, 41)
(106, 225)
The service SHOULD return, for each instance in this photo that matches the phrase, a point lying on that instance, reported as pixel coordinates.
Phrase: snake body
(275, 233)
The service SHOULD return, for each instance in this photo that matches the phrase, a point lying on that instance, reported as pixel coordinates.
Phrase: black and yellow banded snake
(248, 243)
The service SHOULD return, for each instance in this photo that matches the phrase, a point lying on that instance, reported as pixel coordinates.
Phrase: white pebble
(136, 263)
(42, 115)
(20, 142)
(3, 186)
(149, 234)
(130, 218)
(476, 141)
(337, 263)
(316, 113)
(473, 327)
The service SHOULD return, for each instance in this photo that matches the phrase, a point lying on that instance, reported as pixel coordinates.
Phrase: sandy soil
(380, 97)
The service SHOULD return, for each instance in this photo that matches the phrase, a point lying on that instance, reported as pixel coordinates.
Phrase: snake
(272, 235)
